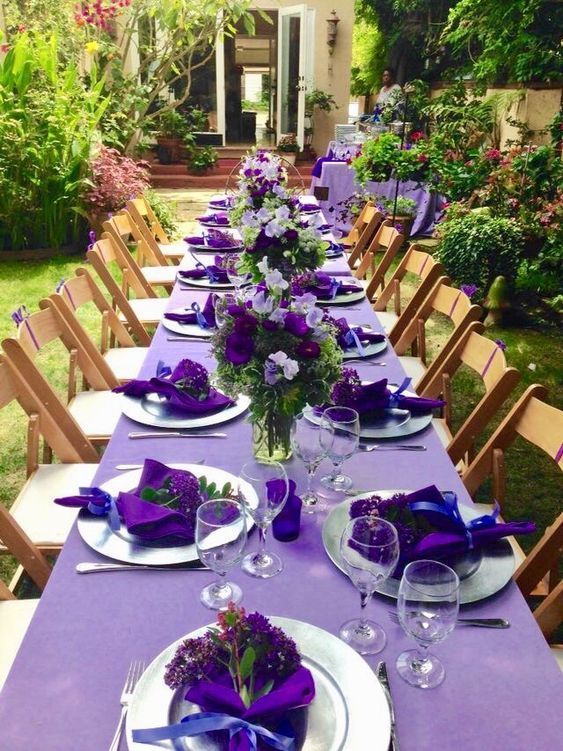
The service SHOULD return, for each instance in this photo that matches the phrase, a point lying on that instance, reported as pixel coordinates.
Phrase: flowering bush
(283, 355)
(116, 180)
(289, 242)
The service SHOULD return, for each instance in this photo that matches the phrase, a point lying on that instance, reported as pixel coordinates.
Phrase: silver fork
(136, 669)
(480, 622)
(364, 362)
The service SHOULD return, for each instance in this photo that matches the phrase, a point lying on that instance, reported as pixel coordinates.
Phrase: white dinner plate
(186, 329)
(346, 297)
(370, 350)
(146, 412)
(214, 225)
(217, 251)
(123, 546)
(203, 282)
(482, 572)
(348, 711)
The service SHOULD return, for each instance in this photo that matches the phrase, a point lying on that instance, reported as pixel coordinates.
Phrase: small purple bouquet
(245, 674)
(282, 354)
(430, 525)
(215, 239)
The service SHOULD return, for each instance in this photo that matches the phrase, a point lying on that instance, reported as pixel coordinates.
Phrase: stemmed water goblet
(220, 305)
(305, 439)
(231, 264)
(269, 482)
(369, 548)
(220, 537)
(427, 607)
(339, 435)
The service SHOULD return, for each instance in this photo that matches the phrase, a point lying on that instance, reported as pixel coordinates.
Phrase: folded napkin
(221, 219)
(172, 385)
(309, 208)
(333, 249)
(205, 318)
(215, 240)
(225, 711)
(214, 272)
(436, 528)
(144, 519)
(375, 397)
(355, 337)
(221, 203)
(323, 286)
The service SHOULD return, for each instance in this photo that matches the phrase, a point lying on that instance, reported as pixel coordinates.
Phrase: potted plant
(383, 158)
(405, 212)
(316, 100)
(172, 130)
(201, 159)
(288, 147)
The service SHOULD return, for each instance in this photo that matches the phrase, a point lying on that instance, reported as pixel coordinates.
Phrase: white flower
(249, 219)
(278, 315)
(275, 281)
(290, 369)
(282, 212)
(303, 303)
(263, 215)
(279, 191)
(314, 317)
(261, 303)
(279, 357)
(263, 265)
(274, 229)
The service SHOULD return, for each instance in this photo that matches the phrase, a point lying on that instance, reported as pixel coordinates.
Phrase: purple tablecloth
(338, 177)
(502, 687)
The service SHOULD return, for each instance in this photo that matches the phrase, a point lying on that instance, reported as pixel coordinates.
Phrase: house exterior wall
(331, 73)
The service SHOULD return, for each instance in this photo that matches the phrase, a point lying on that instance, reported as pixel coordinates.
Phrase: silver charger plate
(482, 572)
(216, 251)
(152, 413)
(370, 350)
(187, 329)
(349, 709)
(214, 225)
(122, 546)
(203, 282)
(346, 297)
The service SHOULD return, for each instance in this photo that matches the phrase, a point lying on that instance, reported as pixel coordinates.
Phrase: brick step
(205, 181)
(224, 167)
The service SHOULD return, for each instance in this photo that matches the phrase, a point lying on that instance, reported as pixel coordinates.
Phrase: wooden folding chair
(532, 419)
(427, 270)
(96, 412)
(44, 523)
(125, 361)
(16, 615)
(158, 273)
(486, 359)
(453, 304)
(144, 218)
(387, 242)
(372, 219)
(358, 227)
(145, 309)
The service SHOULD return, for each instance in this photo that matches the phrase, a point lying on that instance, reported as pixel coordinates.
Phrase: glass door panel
(291, 71)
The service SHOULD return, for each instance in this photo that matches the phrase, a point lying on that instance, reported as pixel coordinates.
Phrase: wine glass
(221, 303)
(340, 434)
(269, 482)
(220, 537)
(305, 439)
(427, 606)
(231, 263)
(369, 548)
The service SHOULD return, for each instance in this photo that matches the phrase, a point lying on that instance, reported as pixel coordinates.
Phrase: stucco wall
(336, 82)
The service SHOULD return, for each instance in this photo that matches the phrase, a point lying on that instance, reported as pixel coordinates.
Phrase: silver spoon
(98, 568)
(394, 447)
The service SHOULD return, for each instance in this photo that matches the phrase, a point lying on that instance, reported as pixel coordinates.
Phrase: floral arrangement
(282, 354)
(116, 180)
(243, 673)
(288, 142)
(261, 182)
(383, 157)
(289, 242)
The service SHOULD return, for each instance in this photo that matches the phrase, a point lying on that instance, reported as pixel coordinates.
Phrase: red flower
(418, 135)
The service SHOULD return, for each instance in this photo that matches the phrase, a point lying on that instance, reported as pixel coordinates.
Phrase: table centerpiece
(282, 354)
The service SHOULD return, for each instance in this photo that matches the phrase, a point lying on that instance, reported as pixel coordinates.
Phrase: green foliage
(462, 120)
(405, 206)
(202, 159)
(369, 55)
(507, 39)
(166, 213)
(47, 124)
(319, 100)
(476, 247)
(382, 157)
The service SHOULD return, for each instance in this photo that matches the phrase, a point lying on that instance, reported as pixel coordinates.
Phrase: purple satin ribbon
(394, 395)
(423, 265)
(61, 288)
(199, 265)
(489, 361)
(351, 338)
(20, 317)
(162, 369)
(200, 318)
(92, 238)
(559, 454)
(454, 304)
(207, 722)
(97, 502)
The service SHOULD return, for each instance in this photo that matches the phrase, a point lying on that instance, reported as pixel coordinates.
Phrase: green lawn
(534, 481)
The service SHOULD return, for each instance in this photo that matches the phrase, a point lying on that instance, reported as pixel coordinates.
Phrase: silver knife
(177, 434)
(384, 680)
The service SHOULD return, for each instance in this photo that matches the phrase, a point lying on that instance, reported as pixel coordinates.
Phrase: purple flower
(500, 344)
(291, 235)
(469, 289)
(246, 324)
(296, 324)
(239, 349)
(191, 377)
(269, 325)
(309, 350)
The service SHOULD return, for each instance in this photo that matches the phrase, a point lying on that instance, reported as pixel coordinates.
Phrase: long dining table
(502, 687)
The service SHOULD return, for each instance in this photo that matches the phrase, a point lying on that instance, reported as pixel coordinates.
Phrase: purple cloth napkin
(221, 219)
(298, 690)
(350, 336)
(214, 272)
(180, 400)
(324, 287)
(204, 318)
(221, 203)
(309, 208)
(375, 397)
(147, 520)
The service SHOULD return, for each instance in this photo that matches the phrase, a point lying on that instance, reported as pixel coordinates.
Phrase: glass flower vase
(271, 437)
